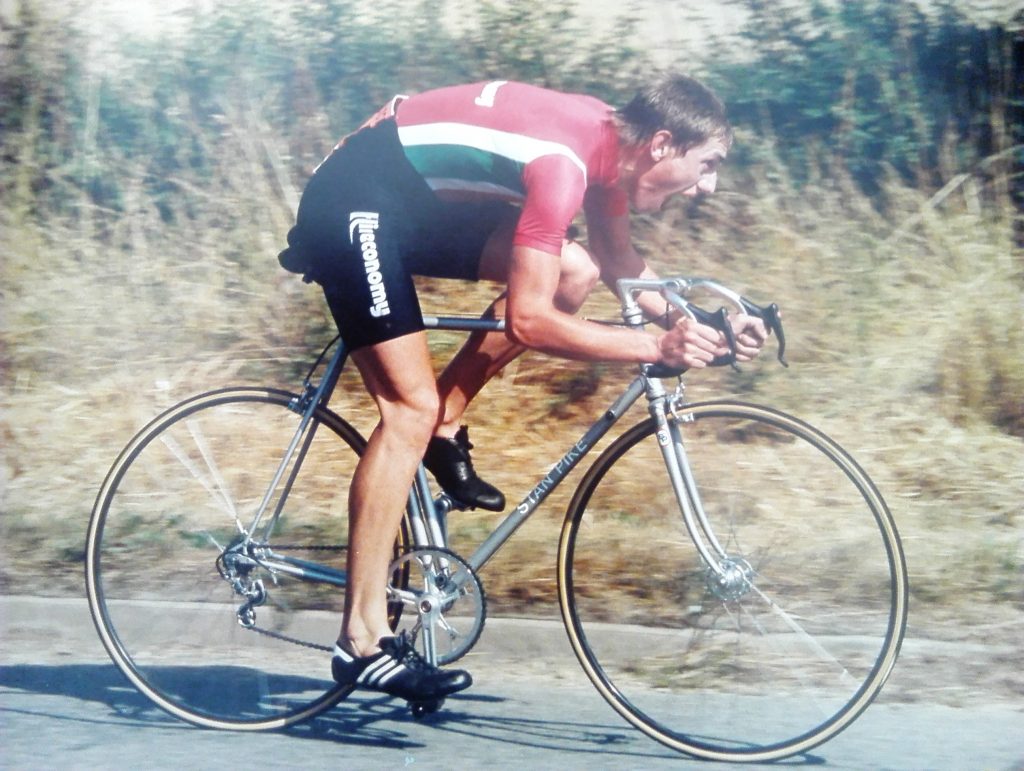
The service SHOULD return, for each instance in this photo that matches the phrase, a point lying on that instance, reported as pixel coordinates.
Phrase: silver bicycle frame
(426, 514)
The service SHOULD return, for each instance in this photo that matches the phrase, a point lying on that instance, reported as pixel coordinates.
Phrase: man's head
(674, 134)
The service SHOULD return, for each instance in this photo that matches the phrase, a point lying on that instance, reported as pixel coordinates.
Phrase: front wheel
(197, 608)
(784, 646)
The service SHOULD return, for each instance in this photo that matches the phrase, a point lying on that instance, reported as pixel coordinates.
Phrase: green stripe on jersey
(460, 155)
(459, 163)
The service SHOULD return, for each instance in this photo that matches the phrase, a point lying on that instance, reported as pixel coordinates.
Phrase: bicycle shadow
(461, 715)
(614, 743)
(369, 720)
(104, 685)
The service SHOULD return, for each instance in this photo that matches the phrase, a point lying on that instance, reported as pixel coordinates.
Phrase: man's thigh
(575, 261)
(456, 238)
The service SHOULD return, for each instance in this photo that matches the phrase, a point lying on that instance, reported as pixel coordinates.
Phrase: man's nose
(708, 183)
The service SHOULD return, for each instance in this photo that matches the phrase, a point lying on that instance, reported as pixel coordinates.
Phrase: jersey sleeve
(555, 188)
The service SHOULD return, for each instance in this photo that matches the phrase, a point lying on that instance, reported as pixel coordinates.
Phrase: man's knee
(411, 415)
(417, 410)
(579, 275)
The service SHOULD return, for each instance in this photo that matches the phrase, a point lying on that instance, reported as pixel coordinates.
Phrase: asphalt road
(63, 703)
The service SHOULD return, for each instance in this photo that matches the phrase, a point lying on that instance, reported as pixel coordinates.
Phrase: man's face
(668, 172)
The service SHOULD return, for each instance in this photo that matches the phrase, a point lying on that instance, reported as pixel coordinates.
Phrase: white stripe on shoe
(379, 671)
(386, 676)
(342, 654)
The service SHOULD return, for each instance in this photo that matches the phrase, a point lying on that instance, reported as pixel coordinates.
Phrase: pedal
(420, 709)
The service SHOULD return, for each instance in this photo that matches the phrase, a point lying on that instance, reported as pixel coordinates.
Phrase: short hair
(679, 104)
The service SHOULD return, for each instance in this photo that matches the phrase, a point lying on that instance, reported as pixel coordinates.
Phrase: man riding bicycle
(482, 182)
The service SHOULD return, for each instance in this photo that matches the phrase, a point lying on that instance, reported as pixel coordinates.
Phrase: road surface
(63, 703)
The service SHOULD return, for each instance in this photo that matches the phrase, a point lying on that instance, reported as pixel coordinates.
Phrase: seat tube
(424, 519)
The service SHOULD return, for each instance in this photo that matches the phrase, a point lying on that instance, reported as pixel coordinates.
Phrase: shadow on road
(117, 700)
(360, 720)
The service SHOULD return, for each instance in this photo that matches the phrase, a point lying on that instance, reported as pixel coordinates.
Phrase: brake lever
(772, 318)
(718, 320)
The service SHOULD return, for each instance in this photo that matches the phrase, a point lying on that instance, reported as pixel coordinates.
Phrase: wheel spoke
(809, 640)
(196, 432)
(197, 474)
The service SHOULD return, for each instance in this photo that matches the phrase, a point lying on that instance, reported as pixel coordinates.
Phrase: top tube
(674, 290)
(464, 323)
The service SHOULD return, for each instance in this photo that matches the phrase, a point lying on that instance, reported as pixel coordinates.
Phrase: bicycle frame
(426, 514)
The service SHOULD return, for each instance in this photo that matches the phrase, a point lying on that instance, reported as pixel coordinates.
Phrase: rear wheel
(793, 639)
(196, 610)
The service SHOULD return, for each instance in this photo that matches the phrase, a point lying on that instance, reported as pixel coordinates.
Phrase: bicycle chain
(286, 638)
(283, 637)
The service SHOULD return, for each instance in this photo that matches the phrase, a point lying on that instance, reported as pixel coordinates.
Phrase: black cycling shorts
(368, 222)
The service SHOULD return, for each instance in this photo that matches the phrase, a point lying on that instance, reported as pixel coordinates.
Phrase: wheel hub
(733, 579)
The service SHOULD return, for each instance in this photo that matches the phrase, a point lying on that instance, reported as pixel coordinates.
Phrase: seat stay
(306, 405)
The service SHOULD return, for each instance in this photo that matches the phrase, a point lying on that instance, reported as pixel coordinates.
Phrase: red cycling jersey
(515, 142)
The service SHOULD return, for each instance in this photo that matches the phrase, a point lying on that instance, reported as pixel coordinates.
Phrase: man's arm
(533, 320)
(609, 239)
(610, 242)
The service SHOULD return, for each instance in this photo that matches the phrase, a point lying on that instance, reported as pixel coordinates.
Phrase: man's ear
(661, 145)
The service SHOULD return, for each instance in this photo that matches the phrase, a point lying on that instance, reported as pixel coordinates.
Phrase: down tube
(561, 470)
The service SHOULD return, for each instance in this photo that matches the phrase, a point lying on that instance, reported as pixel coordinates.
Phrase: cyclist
(483, 181)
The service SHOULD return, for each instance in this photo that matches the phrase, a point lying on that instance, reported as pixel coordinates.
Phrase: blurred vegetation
(875, 89)
(875, 191)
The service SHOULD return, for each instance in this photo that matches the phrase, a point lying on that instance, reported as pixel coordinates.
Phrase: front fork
(728, 577)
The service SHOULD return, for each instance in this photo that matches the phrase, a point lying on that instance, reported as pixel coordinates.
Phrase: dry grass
(908, 349)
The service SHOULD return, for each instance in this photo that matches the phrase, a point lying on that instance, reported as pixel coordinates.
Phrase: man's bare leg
(398, 375)
(481, 357)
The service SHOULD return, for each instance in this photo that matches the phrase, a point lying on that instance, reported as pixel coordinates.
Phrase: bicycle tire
(157, 593)
(772, 664)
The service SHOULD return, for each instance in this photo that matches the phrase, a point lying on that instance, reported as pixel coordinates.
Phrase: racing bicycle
(730, 579)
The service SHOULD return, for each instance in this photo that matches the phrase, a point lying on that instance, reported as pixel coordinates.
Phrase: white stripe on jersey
(517, 147)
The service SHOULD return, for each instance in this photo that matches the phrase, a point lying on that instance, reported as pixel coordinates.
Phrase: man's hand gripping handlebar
(675, 290)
